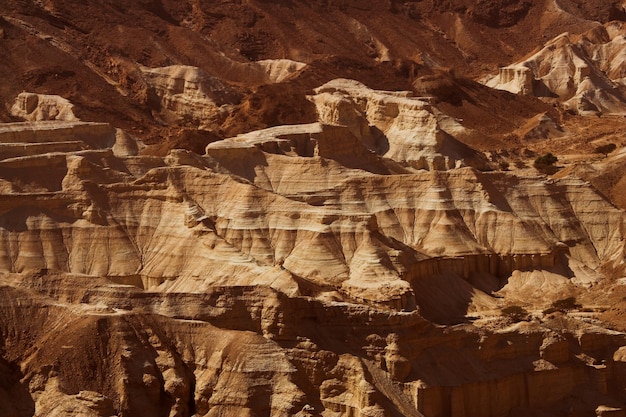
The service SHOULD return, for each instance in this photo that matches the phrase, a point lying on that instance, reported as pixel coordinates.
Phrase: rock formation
(190, 95)
(187, 95)
(587, 72)
(395, 125)
(37, 107)
(301, 224)
(361, 231)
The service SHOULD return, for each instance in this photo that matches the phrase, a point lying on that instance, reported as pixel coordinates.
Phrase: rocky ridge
(317, 219)
(586, 72)
(354, 226)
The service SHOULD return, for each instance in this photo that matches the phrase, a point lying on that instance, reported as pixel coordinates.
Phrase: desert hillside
(313, 209)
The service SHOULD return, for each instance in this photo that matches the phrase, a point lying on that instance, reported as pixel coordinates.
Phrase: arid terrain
(314, 209)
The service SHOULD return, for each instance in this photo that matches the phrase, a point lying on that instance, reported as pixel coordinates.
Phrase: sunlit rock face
(396, 125)
(37, 107)
(217, 284)
(312, 209)
(188, 95)
(587, 71)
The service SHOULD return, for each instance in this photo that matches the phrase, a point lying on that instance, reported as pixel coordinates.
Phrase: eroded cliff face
(355, 226)
(587, 71)
(310, 270)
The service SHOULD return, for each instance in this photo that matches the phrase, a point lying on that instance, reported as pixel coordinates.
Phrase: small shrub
(606, 149)
(550, 310)
(566, 304)
(520, 164)
(515, 313)
(547, 159)
(545, 163)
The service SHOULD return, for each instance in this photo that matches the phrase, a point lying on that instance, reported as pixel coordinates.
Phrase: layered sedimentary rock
(230, 351)
(587, 72)
(189, 94)
(396, 125)
(366, 260)
(37, 107)
(296, 270)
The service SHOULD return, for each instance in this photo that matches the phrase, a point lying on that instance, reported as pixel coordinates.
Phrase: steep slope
(308, 278)
(586, 73)
(354, 226)
(93, 54)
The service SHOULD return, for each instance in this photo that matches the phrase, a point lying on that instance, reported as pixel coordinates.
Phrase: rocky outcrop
(189, 94)
(372, 236)
(37, 107)
(276, 70)
(353, 253)
(295, 270)
(396, 125)
(586, 72)
(233, 350)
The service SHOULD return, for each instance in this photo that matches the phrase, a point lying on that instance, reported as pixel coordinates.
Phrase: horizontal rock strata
(295, 270)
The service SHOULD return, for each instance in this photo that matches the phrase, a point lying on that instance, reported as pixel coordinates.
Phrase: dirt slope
(89, 53)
